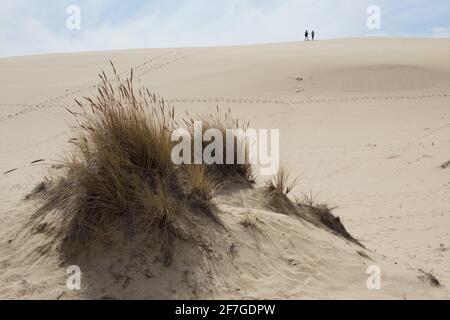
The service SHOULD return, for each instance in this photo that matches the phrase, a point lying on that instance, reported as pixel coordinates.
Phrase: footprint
(9, 171)
(36, 161)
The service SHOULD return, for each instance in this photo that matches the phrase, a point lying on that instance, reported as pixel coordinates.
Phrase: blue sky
(39, 26)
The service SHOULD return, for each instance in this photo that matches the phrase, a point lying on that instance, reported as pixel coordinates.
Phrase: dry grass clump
(200, 184)
(119, 177)
(323, 214)
(277, 189)
(307, 208)
(282, 183)
(240, 171)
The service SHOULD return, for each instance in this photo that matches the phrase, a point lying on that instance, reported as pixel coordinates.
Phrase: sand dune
(364, 123)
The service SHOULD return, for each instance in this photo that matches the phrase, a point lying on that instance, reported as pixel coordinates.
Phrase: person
(312, 35)
(306, 35)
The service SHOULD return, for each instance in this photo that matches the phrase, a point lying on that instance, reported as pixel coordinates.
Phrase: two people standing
(307, 35)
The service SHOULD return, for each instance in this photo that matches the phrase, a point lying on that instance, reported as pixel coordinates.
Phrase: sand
(364, 123)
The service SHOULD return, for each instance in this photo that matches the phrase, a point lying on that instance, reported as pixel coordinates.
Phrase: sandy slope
(365, 123)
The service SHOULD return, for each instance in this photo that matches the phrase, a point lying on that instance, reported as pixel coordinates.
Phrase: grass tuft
(282, 183)
(221, 121)
(322, 213)
(119, 178)
(277, 189)
(307, 208)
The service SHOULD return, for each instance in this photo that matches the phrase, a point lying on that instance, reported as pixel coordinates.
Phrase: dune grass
(282, 183)
(277, 189)
(119, 176)
(223, 120)
(323, 213)
(119, 180)
(306, 207)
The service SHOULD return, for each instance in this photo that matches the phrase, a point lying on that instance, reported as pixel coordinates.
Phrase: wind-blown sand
(364, 123)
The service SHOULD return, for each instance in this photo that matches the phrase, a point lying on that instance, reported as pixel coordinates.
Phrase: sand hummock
(364, 123)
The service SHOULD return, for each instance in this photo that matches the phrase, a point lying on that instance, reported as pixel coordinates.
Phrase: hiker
(306, 35)
(312, 35)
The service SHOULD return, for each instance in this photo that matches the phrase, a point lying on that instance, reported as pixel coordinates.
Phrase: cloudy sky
(40, 26)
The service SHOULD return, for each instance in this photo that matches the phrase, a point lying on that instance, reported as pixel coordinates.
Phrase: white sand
(365, 123)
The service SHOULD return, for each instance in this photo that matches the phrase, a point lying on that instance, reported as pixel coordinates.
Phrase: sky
(41, 26)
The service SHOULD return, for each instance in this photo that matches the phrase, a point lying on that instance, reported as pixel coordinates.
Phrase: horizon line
(378, 37)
